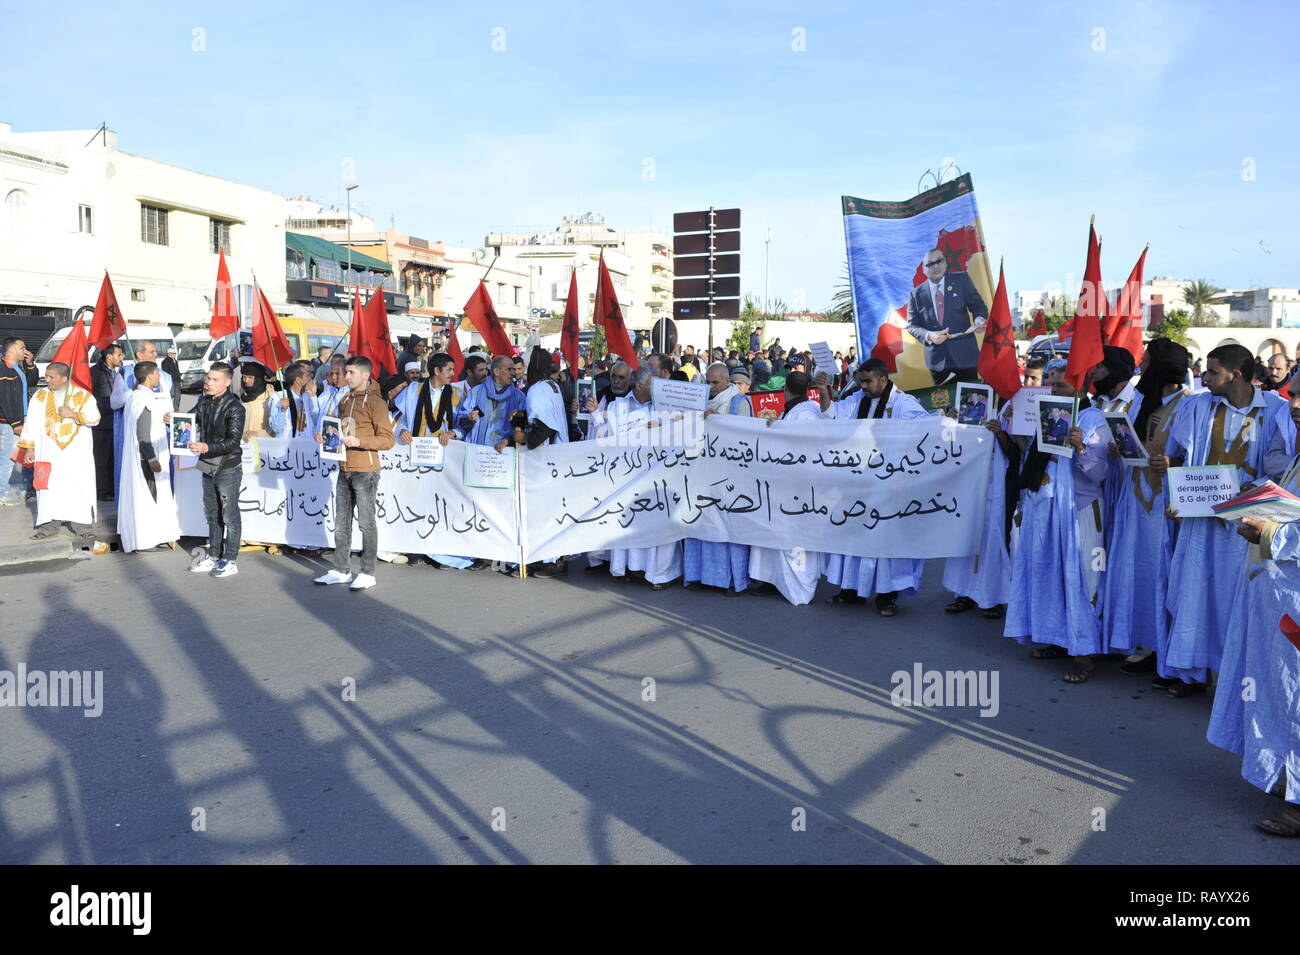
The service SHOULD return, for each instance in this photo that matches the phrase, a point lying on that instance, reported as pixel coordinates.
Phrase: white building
(75, 205)
(508, 285)
(640, 264)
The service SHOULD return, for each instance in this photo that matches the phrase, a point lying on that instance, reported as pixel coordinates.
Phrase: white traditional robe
(660, 564)
(876, 575)
(794, 572)
(544, 402)
(143, 522)
(69, 448)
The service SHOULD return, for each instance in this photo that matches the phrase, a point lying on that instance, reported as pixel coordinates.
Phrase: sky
(1173, 123)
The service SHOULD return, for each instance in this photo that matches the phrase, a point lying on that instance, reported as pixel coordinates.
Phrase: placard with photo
(182, 433)
(331, 432)
(1055, 419)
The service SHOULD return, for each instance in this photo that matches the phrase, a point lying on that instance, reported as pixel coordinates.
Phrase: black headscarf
(1119, 369)
(540, 366)
(257, 371)
(1167, 364)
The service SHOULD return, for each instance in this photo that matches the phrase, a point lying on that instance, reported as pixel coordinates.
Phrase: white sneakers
(334, 577)
(225, 568)
(204, 566)
(363, 582)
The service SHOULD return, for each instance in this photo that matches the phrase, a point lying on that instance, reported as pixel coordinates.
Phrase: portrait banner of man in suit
(921, 282)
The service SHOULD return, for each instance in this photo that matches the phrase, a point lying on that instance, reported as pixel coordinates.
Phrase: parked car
(160, 335)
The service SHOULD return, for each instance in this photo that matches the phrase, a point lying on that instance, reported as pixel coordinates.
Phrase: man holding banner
(883, 577)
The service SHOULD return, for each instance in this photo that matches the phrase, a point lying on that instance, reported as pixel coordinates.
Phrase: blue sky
(452, 138)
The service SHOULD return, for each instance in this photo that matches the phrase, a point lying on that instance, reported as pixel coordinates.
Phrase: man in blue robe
(1257, 703)
(485, 413)
(1231, 423)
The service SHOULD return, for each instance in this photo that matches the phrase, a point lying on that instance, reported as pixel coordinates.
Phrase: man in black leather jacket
(219, 418)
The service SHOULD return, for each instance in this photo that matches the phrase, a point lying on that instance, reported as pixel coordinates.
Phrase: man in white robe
(883, 577)
(123, 384)
(634, 412)
(146, 510)
(793, 573)
(57, 431)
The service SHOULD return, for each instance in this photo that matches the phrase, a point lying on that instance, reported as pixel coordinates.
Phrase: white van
(195, 354)
(160, 335)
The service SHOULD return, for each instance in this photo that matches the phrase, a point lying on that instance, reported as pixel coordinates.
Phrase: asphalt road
(499, 720)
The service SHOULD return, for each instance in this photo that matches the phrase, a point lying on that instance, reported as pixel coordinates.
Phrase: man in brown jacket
(367, 430)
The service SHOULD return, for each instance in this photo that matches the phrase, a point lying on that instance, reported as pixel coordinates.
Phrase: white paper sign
(485, 466)
(427, 452)
(1193, 492)
(669, 395)
(824, 358)
(1024, 411)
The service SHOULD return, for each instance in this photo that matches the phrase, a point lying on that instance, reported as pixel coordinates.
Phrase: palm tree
(841, 309)
(1199, 295)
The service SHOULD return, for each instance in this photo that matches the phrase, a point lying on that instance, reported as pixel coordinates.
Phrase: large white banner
(912, 488)
(907, 488)
(420, 510)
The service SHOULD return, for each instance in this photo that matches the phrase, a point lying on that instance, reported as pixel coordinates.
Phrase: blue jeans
(221, 507)
(8, 442)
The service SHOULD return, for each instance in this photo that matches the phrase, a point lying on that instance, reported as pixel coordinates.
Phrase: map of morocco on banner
(908, 488)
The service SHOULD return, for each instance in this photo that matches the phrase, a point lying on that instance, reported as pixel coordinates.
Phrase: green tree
(598, 344)
(1057, 309)
(1199, 296)
(1174, 327)
(751, 316)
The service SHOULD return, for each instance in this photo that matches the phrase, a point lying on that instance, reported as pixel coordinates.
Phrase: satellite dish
(478, 255)
(663, 337)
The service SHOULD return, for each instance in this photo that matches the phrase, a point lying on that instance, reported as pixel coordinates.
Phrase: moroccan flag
(270, 346)
(997, 363)
(609, 316)
(108, 323)
(453, 348)
(357, 331)
(1065, 331)
(225, 313)
(889, 340)
(1124, 327)
(569, 333)
(1038, 326)
(379, 348)
(483, 317)
(75, 352)
(1085, 343)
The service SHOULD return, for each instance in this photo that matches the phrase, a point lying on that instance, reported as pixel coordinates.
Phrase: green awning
(315, 248)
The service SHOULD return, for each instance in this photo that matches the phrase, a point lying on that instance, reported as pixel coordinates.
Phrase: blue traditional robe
(1049, 601)
(494, 407)
(1208, 552)
(985, 576)
(1262, 665)
(1139, 545)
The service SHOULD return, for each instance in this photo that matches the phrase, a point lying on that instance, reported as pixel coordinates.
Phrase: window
(153, 225)
(516, 294)
(219, 233)
(137, 295)
(15, 204)
(85, 221)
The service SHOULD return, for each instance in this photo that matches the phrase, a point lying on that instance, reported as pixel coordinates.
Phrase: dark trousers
(963, 374)
(884, 600)
(221, 507)
(103, 447)
(355, 487)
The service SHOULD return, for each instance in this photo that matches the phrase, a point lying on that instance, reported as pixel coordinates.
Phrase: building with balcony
(72, 205)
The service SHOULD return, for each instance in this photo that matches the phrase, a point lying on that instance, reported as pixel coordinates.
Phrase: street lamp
(349, 192)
